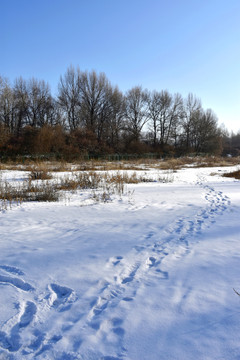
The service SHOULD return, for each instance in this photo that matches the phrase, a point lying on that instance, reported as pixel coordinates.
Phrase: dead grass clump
(26, 192)
(126, 178)
(102, 196)
(167, 177)
(93, 165)
(195, 162)
(233, 174)
(82, 180)
(40, 172)
(40, 175)
(173, 163)
(215, 161)
(9, 194)
(45, 192)
(122, 178)
(60, 167)
(30, 165)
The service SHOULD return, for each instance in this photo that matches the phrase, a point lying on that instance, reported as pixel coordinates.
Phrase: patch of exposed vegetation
(10, 194)
(38, 187)
(40, 172)
(135, 165)
(233, 174)
(97, 176)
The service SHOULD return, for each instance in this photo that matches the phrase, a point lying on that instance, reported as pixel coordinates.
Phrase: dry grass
(124, 178)
(93, 165)
(135, 165)
(48, 166)
(103, 186)
(196, 162)
(173, 164)
(233, 174)
(217, 162)
(100, 181)
(82, 180)
(40, 172)
(25, 192)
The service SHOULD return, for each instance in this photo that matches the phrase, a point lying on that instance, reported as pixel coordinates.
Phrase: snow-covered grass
(36, 185)
(148, 274)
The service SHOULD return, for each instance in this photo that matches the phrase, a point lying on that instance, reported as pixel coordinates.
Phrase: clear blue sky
(180, 45)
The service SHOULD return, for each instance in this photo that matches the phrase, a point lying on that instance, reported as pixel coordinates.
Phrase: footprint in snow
(162, 274)
(12, 280)
(130, 276)
(139, 248)
(11, 269)
(149, 235)
(128, 298)
(61, 297)
(180, 225)
(12, 342)
(111, 358)
(30, 310)
(98, 307)
(151, 261)
(115, 260)
(16, 282)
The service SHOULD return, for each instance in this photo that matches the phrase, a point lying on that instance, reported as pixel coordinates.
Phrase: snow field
(146, 276)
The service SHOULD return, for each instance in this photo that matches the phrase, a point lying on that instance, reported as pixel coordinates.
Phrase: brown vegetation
(41, 185)
(91, 117)
(233, 174)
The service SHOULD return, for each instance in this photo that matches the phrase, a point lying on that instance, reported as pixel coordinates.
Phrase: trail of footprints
(146, 259)
(141, 264)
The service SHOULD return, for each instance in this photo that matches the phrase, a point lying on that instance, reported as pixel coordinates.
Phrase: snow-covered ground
(147, 276)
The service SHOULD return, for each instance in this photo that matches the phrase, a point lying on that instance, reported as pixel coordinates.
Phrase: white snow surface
(146, 276)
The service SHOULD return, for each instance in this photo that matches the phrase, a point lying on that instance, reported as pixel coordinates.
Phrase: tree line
(91, 116)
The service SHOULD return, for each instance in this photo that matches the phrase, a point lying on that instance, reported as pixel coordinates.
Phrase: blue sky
(183, 46)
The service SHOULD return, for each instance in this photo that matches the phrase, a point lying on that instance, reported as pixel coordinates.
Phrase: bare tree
(21, 104)
(7, 105)
(96, 108)
(115, 123)
(154, 111)
(164, 111)
(136, 111)
(165, 115)
(69, 96)
(39, 103)
(175, 117)
(192, 112)
(206, 134)
(100, 117)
